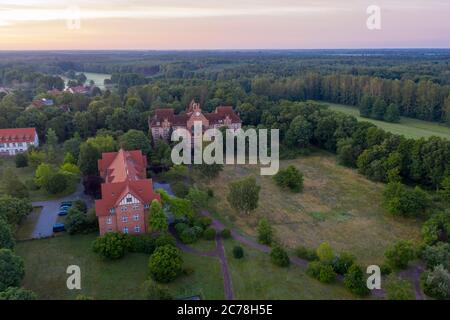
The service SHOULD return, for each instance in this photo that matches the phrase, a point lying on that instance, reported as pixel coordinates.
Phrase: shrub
(398, 289)
(321, 271)
(14, 293)
(290, 178)
(180, 189)
(306, 253)
(154, 291)
(265, 233)
(21, 160)
(112, 245)
(238, 252)
(343, 262)
(355, 281)
(209, 234)
(77, 221)
(205, 222)
(400, 200)
(6, 235)
(279, 257)
(385, 269)
(165, 239)
(180, 227)
(12, 269)
(436, 283)
(325, 253)
(399, 255)
(56, 183)
(165, 264)
(143, 244)
(80, 205)
(436, 255)
(188, 236)
(437, 228)
(225, 233)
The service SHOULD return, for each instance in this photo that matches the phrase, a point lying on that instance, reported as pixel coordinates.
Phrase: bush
(57, 183)
(225, 233)
(290, 178)
(436, 255)
(80, 205)
(112, 245)
(325, 253)
(279, 257)
(437, 228)
(14, 293)
(165, 239)
(12, 269)
(180, 189)
(209, 234)
(321, 271)
(400, 254)
(21, 160)
(188, 236)
(436, 283)
(398, 289)
(385, 269)
(355, 281)
(143, 244)
(205, 222)
(154, 291)
(6, 235)
(76, 221)
(180, 227)
(343, 262)
(265, 233)
(165, 264)
(306, 253)
(400, 200)
(238, 252)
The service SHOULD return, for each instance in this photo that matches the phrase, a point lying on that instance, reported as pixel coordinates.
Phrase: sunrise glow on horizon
(201, 24)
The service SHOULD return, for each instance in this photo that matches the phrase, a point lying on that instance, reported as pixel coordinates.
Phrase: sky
(224, 24)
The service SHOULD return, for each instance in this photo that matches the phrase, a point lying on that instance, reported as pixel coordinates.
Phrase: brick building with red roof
(165, 120)
(126, 193)
(17, 140)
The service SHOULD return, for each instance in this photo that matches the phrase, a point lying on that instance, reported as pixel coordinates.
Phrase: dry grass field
(337, 205)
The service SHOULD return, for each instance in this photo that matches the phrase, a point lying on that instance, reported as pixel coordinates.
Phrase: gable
(129, 199)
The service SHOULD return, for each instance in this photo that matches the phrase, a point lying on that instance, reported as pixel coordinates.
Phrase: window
(20, 144)
(137, 229)
(110, 230)
(124, 219)
(136, 217)
(124, 209)
(146, 206)
(129, 200)
(112, 210)
(109, 220)
(136, 207)
(125, 230)
(2, 145)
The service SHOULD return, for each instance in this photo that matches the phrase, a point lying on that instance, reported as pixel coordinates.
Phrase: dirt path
(413, 274)
(218, 252)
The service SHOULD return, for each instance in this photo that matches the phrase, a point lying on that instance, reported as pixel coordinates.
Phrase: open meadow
(337, 205)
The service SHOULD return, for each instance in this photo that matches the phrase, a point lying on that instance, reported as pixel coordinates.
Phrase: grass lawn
(255, 277)
(337, 205)
(27, 226)
(46, 261)
(27, 174)
(410, 128)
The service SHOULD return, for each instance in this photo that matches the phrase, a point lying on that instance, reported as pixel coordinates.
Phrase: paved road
(50, 209)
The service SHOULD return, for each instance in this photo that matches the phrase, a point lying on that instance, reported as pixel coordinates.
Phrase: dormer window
(146, 206)
(112, 210)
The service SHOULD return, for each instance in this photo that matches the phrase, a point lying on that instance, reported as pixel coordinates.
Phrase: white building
(17, 140)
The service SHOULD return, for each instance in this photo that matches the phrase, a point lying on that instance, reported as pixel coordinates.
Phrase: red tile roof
(18, 135)
(124, 172)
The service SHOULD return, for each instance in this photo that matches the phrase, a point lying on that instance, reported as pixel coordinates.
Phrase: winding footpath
(412, 274)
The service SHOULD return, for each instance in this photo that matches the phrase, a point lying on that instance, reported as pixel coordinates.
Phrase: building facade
(126, 193)
(17, 140)
(165, 120)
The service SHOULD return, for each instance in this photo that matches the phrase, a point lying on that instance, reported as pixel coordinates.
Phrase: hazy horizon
(213, 25)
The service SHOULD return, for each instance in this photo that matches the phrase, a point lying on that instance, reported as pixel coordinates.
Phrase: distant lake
(98, 78)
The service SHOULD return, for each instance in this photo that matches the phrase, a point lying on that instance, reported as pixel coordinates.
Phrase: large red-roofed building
(126, 193)
(17, 140)
(165, 120)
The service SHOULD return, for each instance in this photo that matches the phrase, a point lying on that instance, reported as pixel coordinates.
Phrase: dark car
(66, 204)
(63, 212)
(58, 227)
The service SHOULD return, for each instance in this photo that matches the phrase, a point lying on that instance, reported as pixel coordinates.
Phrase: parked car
(58, 227)
(66, 204)
(63, 212)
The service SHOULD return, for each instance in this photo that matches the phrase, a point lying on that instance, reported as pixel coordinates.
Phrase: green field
(337, 205)
(255, 277)
(46, 262)
(410, 128)
(98, 78)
